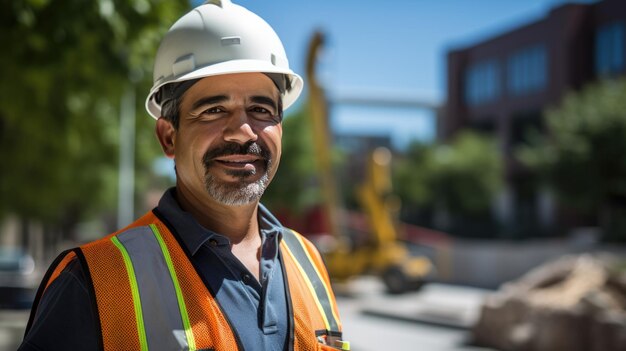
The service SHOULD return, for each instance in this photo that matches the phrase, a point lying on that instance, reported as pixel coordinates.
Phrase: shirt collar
(193, 235)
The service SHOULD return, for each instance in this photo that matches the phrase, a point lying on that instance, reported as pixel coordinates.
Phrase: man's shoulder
(139, 225)
(72, 273)
(294, 239)
(292, 234)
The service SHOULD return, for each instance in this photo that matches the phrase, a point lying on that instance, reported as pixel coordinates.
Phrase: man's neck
(238, 223)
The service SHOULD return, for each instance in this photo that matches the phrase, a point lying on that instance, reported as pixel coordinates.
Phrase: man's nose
(238, 129)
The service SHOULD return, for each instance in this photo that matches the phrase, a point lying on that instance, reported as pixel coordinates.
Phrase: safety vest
(149, 295)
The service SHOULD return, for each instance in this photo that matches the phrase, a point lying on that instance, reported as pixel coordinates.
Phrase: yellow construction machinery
(382, 254)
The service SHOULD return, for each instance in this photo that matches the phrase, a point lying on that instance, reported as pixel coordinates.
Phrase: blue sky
(391, 48)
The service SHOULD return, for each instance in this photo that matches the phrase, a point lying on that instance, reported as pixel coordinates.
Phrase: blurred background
(461, 165)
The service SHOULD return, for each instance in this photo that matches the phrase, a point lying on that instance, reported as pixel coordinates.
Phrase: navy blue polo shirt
(257, 310)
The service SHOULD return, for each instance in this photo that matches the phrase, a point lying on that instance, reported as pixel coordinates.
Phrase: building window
(609, 54)
(482, 82)
(527, 70)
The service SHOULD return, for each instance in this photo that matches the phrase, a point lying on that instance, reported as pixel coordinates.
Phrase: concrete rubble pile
(576, 303)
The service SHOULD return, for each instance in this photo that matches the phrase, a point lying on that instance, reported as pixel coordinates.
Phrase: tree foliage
(294, 188)
(64, 69)
(583, 155)
(461, 177)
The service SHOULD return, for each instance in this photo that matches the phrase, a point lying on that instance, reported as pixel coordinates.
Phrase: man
(209, 268)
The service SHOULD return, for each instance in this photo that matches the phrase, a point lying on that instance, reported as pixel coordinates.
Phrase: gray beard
(237, 193)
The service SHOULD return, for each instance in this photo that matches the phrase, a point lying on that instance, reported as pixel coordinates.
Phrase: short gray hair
(170, 110)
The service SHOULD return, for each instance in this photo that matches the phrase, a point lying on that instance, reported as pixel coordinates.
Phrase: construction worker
(209, 268)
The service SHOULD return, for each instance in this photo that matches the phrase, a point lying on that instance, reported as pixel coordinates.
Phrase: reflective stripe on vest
(154, 284)
(314, 281)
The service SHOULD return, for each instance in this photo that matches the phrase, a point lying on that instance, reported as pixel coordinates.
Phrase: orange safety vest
(149, 296)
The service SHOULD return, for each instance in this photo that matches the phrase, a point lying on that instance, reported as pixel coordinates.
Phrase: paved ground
(12, 323)
(433, 319)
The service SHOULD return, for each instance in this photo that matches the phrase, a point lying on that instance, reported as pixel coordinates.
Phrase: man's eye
(262, 114)
(208, 114)
(260, 110)
(213, 110)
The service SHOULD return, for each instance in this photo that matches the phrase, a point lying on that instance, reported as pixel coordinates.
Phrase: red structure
(501, 86)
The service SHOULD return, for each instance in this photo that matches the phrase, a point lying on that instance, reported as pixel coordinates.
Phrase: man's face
(228, 142)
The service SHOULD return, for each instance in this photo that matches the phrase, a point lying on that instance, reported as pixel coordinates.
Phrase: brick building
(502, 85)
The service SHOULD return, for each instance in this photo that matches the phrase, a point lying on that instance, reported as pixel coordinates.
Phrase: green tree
(294, 188)
(64, 68)
(583, 156)
(458, 179)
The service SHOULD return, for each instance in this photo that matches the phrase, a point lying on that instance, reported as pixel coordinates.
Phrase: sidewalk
(12, 324)
(438, 304)
(435, 318)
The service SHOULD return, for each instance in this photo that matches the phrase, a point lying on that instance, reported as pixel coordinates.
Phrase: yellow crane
(383, 254)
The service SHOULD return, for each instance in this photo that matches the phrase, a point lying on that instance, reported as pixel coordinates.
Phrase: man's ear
(167, 136)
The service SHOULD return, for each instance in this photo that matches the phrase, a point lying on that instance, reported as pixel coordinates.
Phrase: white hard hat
(217, 38)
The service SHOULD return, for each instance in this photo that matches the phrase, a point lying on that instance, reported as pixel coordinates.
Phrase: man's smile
(241, 162)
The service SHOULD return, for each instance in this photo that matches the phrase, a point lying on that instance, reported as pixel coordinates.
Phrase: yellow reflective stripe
(319, 275)
(134, 288)
(311, 288)
(191, 342)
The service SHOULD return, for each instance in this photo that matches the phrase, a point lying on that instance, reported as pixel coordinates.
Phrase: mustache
(250, 148)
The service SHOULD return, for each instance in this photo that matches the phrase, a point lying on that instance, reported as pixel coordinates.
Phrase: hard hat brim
(229, 67)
